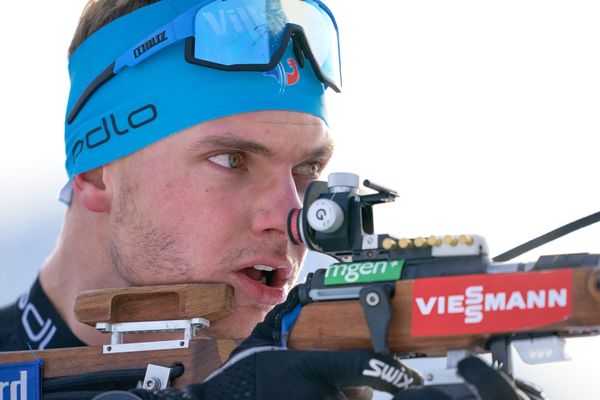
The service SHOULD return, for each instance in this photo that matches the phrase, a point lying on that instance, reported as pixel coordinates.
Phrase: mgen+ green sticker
(362, 272)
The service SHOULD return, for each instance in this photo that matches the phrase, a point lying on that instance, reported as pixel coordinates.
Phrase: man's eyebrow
(244, 145)
(232, 143)
(324, 151)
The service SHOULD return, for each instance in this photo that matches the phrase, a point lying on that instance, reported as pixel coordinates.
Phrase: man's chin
(237, 325)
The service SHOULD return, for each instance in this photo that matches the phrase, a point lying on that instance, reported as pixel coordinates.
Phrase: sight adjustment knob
(339, 182)
(325, 216)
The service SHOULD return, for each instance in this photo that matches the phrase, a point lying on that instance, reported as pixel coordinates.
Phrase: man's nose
(273, 204)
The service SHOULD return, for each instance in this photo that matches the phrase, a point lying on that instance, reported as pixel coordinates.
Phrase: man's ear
(91, 190)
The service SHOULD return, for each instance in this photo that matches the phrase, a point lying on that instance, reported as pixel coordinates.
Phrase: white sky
(483, 115)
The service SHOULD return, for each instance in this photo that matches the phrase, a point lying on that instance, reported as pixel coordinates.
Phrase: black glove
(482, 382)
(260, 368)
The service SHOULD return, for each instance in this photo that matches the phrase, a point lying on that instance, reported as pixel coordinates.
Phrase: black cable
(71, 395)
(177, 369)
(548, 237)
(66, 383)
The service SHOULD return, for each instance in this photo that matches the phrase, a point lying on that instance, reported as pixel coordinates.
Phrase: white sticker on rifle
(490, 303)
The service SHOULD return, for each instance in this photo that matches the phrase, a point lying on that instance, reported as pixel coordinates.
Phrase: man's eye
(227, 160)
(311, 169)
(314, 169)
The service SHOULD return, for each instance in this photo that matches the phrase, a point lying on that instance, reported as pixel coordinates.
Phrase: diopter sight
(336, 219)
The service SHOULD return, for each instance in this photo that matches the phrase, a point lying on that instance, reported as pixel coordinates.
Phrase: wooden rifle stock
(152, 303)
(341, 324)
(330, 325)
(200, 359)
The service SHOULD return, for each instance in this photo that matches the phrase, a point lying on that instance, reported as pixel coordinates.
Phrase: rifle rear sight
(337, 220)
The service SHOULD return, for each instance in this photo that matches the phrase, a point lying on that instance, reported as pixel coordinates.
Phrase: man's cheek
(201, 206)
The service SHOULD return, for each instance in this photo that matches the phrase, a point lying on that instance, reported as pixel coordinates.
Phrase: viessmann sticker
(490, 303)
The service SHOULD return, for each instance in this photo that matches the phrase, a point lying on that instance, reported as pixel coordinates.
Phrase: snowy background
(483, 115)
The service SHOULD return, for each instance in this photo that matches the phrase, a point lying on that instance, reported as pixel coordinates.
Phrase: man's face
(210, 204)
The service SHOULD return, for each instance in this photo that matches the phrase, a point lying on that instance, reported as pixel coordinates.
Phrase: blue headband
(164, 94)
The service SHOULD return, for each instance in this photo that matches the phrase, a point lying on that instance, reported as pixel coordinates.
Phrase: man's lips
(264, 287)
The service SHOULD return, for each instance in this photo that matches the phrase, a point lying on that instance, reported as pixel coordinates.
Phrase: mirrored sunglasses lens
(242, 32)
(235, 32)
(321, 35)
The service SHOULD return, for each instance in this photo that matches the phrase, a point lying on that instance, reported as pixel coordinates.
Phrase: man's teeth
(263, 268)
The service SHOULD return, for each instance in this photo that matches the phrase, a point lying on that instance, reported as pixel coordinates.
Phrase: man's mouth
(267, 275)
(260, 273)
(264, 283)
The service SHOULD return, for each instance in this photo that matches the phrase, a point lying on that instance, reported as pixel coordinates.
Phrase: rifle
(416, 297)
(432, 296)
